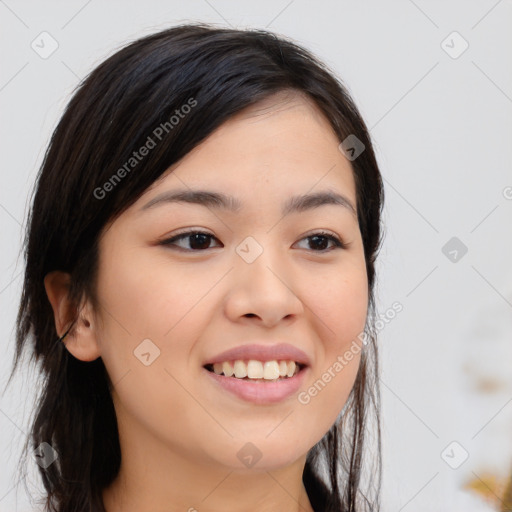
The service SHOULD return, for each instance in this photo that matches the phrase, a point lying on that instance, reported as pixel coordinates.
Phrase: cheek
(340, 308)
(145, 297)
(339, 300)
(136, 305)
(146, 325)
(150, 312)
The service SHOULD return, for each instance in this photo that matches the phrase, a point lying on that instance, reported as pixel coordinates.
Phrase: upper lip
(280, 352)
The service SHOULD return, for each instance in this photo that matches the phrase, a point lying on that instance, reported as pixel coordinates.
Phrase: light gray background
(442, 127)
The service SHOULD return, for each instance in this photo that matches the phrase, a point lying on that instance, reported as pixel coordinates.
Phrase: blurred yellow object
(494, 490)
(506, 506)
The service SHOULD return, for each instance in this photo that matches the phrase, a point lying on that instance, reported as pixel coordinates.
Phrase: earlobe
(81, 340)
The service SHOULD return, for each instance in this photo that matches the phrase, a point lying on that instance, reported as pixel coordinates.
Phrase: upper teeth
(269, 370)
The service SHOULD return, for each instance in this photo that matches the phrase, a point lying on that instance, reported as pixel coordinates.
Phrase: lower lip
(260, 392)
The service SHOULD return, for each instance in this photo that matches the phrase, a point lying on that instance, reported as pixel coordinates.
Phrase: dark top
(318, 493)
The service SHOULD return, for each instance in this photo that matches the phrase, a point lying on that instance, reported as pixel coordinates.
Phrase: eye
(200, 241)
(320, 239)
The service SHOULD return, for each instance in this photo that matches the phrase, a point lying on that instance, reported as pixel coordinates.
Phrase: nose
(262, 290)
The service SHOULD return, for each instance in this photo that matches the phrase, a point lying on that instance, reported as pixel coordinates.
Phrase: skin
(179, 434)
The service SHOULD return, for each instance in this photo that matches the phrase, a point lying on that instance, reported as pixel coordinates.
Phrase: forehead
(283, 142)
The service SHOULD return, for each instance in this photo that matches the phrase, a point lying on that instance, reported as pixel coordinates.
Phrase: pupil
(204, 240)
(315, 240)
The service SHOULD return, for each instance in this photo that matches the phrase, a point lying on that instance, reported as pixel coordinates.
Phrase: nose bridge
(262, 283)
(258, 260)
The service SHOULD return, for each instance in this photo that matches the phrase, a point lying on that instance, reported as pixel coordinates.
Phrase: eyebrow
(221, 201)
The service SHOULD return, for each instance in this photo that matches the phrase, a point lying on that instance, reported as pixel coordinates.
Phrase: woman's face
(258, 277)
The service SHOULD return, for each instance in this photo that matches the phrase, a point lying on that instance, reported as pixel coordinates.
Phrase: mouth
(258, 382)
(257, 371)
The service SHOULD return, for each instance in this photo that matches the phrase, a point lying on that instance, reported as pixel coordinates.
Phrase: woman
(199, 284)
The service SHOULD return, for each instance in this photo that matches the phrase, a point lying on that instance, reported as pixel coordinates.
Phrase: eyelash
(338, 243)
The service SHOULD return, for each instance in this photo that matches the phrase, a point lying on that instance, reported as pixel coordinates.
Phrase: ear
(81, 341)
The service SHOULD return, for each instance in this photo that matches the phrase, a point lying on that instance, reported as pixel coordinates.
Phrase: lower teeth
(258, 380)
(255, 380)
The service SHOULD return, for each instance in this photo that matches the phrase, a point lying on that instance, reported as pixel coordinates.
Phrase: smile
(256, 370)
(258, 390)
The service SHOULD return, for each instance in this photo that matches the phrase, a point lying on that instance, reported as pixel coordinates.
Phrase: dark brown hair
(112, 113)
